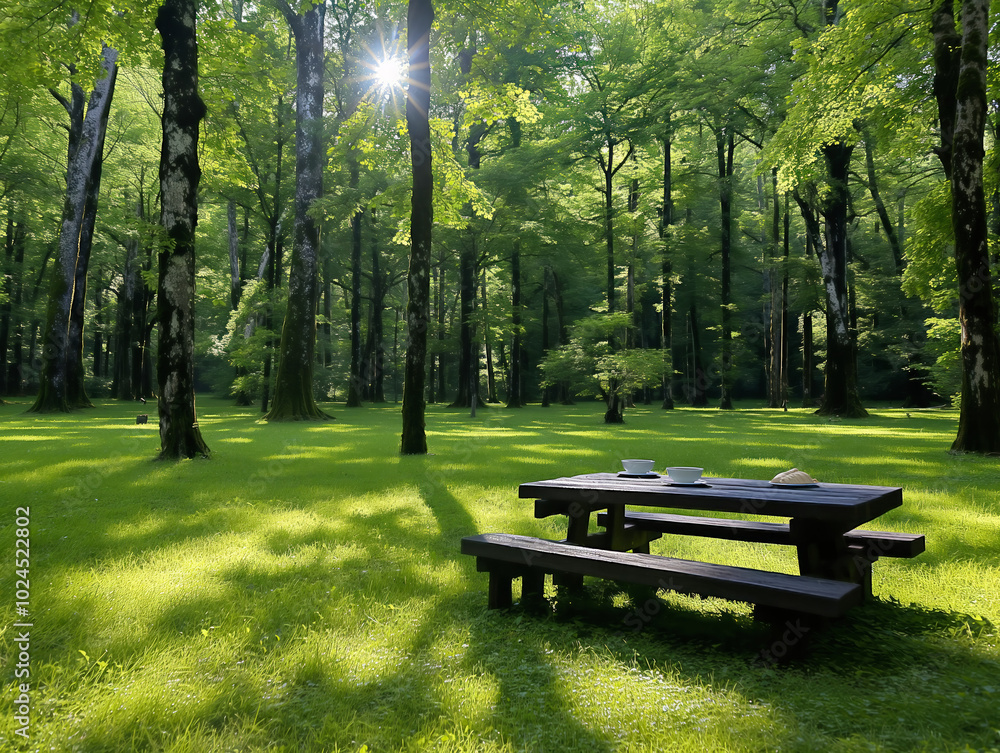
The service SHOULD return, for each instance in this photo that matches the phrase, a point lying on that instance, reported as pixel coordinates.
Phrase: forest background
(654, 201)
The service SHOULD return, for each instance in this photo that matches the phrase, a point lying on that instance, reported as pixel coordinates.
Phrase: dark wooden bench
(507, 556)
(865, 547)
(869, 544)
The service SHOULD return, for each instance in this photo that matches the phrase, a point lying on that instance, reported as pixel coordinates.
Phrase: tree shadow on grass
(889, 672)
(422, 702)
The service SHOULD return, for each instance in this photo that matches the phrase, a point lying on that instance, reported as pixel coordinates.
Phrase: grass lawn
(303, 590)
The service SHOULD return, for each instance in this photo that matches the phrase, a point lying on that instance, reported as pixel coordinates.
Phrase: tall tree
(515, 391)
(725, 147)
(180, 173)
(960, 88)
(667, 267)
(63, 354)
(293, 391)
(816, 124)
(419, 18)
(840, 394)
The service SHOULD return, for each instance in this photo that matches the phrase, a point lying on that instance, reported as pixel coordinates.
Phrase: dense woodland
(678, 202)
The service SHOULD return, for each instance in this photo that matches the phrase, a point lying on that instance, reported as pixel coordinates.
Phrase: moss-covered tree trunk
(293, 390)
(420, 16)
(180, 174)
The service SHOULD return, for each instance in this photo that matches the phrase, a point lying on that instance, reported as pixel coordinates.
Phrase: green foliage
(871, 65)
(589, 365)
(944, 346)
(930, 250)
(489, 106)
(246, 339)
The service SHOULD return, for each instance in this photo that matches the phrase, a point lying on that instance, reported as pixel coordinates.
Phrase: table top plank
(846, 504)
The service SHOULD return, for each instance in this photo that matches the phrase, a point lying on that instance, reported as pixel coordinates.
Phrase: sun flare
(389, 73)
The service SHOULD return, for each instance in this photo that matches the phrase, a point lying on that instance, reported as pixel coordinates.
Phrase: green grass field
(303, 590)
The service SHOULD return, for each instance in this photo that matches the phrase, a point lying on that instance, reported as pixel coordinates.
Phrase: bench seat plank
(877, 543)
(510, 555)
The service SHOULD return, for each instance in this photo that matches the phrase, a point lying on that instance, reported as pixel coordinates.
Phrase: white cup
(638, 467)
(685, 474)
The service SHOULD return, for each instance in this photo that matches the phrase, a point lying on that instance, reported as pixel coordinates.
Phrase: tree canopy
(761, 197)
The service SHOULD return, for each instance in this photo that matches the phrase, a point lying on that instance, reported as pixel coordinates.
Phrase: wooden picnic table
(820, 516)
(834, 555)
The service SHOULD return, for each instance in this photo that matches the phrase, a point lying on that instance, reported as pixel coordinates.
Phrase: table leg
(576, 533)
(823, 551)
(616, 528)
(579, 524)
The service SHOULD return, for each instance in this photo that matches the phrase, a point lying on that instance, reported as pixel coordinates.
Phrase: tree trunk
(15, 376)
(273, 279)
(883, 214)
(546, 390)
(235, 283)
(786, 247)
(807, 360)
(85, 155)
(491, 381)
(777, 304)
(420, 17)
(180, 174)
(726, 145)
(376, 375)
(7, 276)
(515, 397)
(609, 224)
(98, 351)
(76, 393)
(354, 382)
(633, 208)
(435, 359)
(127, 336)
(666, 272)
(242, 397)
(979, 417)
(615, 412)
(275, 249)
(441, 332)
(698, 391)
(293, 390)
(468, 360)
(947, 64)
(840, 385)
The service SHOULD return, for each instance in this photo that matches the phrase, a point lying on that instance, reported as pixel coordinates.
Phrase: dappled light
(301, 579)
